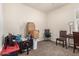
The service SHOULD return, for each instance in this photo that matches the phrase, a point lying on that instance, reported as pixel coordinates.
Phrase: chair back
(47, 33)
(76, 38)
(63, 34)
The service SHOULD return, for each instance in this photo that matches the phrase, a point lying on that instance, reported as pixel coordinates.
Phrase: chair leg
(56, 42)
(66, 44)
(74, 49)
(63, 43)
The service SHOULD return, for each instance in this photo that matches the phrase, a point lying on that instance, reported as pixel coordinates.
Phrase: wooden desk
(69, 38)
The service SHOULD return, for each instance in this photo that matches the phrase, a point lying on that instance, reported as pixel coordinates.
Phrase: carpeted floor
(48, 48)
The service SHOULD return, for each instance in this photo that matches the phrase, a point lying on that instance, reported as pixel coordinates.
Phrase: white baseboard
(40, 40)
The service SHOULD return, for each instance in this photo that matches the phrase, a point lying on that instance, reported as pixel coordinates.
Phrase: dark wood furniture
(70, 38)
(62, 38)
(76, 40)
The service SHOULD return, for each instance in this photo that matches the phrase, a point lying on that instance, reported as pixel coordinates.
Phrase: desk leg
(68, 42)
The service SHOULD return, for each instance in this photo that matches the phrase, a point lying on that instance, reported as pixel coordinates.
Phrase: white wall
(58, 19)
(1, 25)
(17, 15)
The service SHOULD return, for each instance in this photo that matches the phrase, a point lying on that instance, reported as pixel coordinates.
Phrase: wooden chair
(76, 40)
(62, 38)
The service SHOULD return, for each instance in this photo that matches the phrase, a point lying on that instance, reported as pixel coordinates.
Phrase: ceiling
(45, 7)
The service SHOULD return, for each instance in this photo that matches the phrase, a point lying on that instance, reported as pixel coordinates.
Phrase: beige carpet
(48, 48)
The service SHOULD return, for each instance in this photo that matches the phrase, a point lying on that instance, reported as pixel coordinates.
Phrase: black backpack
(9, 40)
